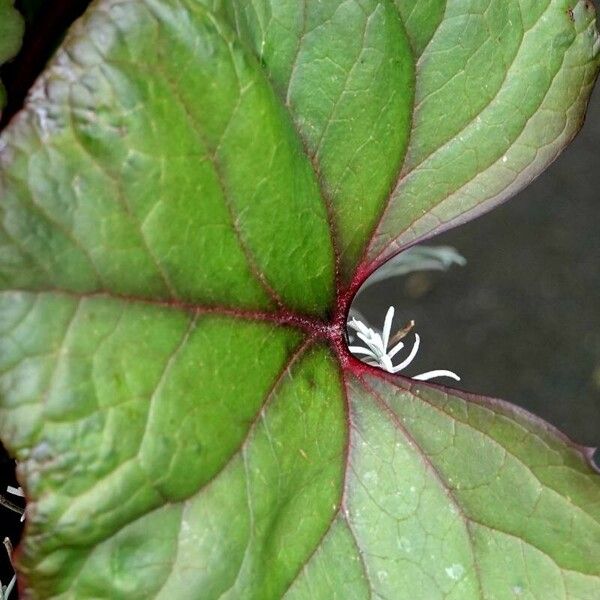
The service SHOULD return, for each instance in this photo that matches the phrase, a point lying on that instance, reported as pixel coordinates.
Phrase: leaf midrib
(310, 325)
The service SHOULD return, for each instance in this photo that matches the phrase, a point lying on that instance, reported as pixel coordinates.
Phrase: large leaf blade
(491, 504)
(523, 97)
(114, 445)
(86, 117)
(345, 71)
(175, 381)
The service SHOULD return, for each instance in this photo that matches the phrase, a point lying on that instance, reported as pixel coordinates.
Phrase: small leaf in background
(31, 9)
(190, 199)
(417, 258)
(11, 34)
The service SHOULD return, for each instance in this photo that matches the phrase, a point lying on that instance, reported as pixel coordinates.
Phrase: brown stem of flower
(402, 333)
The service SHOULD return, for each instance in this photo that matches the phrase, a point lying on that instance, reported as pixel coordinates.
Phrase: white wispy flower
(376, 351)
(16, 492)
(5, 591)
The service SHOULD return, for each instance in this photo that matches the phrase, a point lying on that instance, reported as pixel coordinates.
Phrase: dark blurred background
(521, 321)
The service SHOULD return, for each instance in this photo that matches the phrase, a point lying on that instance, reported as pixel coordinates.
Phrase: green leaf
(487, 493)
(190, 198)
(346, 72)
(11, 33)
(502, 88)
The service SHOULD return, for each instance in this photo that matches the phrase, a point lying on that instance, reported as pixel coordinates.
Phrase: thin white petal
(365, 339)
(356, 325)
(387, 327)
(373, 342)
(395, 349)
(410, 357)
(386, 363)
(361, 350)
(15, 491)
(439, 373)
(9, 587)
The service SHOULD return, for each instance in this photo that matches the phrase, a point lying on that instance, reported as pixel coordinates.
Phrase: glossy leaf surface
(190, 199)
